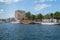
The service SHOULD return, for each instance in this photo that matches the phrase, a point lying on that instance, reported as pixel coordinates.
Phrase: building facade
(19, 15)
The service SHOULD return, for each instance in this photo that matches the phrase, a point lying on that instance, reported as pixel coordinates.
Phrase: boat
(49, 23)
(27, 22)
(18, 21)
(36, 22)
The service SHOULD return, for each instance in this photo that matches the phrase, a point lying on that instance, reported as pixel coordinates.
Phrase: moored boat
(18, 21)
(49, 23)
(27, 22)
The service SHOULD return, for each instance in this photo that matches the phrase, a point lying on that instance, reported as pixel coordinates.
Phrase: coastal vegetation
(39, 16)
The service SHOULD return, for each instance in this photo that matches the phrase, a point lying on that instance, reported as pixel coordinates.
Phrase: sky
(8, 7)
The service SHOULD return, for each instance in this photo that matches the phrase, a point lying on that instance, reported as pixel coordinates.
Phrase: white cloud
(5, 0)
(49, 0)
(36, 1)
(1, 10)
(17, 0)
(43, 1)
(42, 6)
(10, 1)
(1, 0)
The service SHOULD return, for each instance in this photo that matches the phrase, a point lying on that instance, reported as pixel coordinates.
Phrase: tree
(57, 15)
(52, 15)
(40, 16)
(32, 17)
(47, 16)
(27, 16)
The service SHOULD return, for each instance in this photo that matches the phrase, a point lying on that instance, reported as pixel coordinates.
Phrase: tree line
(39, 16)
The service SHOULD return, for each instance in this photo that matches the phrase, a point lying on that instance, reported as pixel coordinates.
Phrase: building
(19, 15)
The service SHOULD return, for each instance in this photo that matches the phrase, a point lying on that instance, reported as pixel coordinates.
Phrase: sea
(9, 31)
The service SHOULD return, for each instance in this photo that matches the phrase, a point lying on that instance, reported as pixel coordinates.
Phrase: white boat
(48, 23)
(14, 22)
(18, 21)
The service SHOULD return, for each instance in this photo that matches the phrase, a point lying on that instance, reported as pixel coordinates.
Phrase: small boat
(18, 21)
(27, 22)
(14, 22)
(49, 23)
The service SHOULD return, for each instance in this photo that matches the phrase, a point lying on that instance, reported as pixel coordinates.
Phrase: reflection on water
(29, 32)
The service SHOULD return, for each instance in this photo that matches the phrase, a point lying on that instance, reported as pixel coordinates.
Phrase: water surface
(10, 31)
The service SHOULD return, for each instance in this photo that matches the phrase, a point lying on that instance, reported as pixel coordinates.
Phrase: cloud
(43, 1)
(51, 0)
(1, 0)
(1, 10)
(17, 0)
(41, 7)
(6, 1)
(10, 1)
(39, 1)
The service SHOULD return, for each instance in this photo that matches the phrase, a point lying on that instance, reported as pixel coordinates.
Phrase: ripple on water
(29, 32)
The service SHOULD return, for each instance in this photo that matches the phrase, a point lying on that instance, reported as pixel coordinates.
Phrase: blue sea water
(10, 31)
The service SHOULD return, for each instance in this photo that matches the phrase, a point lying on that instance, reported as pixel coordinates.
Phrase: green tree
(47, 16)
(57, 15)
(52, 15)
(39, 16)
(27, 16)
(32, 17)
